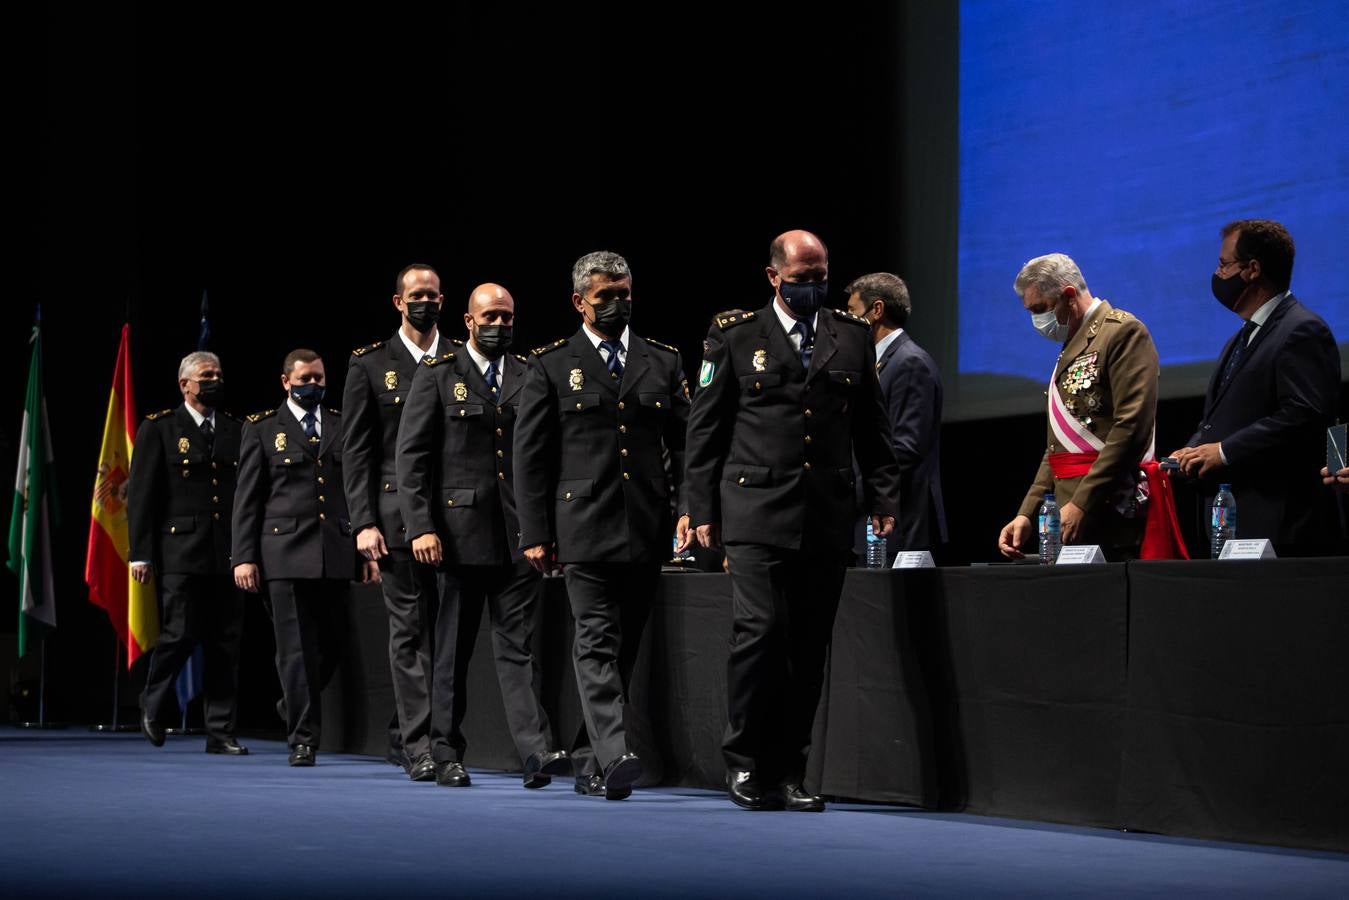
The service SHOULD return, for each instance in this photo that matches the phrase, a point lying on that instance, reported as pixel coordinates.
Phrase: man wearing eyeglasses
(1270, 398)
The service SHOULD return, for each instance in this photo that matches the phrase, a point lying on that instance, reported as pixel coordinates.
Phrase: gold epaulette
(549, 348)
(362, 351)
(844, 315)
(160, 414)
(662, 346)
(1118, 315)
(523, 359)
(457, 342)
(335, 412)
(437, 360)
(733, 317)
(259, 416)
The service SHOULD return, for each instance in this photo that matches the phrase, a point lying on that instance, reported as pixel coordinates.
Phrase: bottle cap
(1224, 487)
(1049, 495)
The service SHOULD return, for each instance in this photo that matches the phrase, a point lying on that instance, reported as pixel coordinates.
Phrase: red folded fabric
(1161, 533)
(1071, 465)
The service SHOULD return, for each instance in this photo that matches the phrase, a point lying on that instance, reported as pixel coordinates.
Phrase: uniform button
(501, 476)
(322, 516)
(806, 466)
(501, 454)
(462, 413)
(214, 466)
(499, 410)
(173, 529)
(276, 531)
(322, 498)
(286, 460)
(567, 496)
(215, 499)
(623, 452)
(184, 462)
(449, 503)
(758, 386)
(320, 463)
(500, 432)
(807, 413)
(578, 405)
(622, 429)
(620, 404)
(847, 381)
(215, 482)
(321, 481)
(657, 404)
(741, 480)
(626, 476)
(397, 400)
(216, 516)
(807, 439)
(184, 473)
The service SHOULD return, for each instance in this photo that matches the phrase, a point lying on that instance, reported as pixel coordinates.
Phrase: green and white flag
(30, 545)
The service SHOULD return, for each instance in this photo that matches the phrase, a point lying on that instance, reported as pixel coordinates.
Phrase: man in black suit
(599, 412)
(179, 502)
(379, 381)
(912, 393)
(788, 396)
(1270, 399)
(293, 536)
(456, 488)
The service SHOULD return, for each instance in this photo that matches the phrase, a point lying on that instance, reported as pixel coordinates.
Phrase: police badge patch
(280, 442)
(760, 360)
(576, 379)
(706, 374)
(184, 445)
(460, 391)
(390, 380)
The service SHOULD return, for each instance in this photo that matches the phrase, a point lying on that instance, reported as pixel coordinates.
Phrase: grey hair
(192, 360)
(1049, 273)
(601, 262)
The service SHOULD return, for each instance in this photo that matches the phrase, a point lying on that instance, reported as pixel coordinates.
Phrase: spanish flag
(130, 606)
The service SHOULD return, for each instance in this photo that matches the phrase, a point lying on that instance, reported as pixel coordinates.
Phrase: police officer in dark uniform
(599, 411)
(788, 395)
(379, 377)
(179, 503)
(457, 491)
(292, 536)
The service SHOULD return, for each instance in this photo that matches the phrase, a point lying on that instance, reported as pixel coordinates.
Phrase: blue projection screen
(1126, 135)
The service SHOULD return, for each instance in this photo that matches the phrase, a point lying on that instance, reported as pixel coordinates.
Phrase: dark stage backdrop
(291, 161)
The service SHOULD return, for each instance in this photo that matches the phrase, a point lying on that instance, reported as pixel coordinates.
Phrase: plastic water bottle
(1049, 531)
(1223, 522)
(875, 549)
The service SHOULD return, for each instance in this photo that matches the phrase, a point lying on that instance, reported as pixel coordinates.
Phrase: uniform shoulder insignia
(523, 359)
(844, 315)
(221, 412)
(437, 360)
(259, 416)
(160, 414)
(362, 351)
(733, 317)
(457, 342)
(336, 412)
(548, 348)
(1118, 315)
(662, 346)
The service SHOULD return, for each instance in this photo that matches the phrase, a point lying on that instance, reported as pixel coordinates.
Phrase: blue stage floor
(87, 814)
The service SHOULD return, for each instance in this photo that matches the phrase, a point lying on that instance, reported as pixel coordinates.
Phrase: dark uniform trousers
(379, 379)
(309, 619)
(608, 602)
(591, 476)
(180, 503)
(455, 478)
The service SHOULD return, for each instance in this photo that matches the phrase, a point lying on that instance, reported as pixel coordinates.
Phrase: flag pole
(116, 724)
(42, 723)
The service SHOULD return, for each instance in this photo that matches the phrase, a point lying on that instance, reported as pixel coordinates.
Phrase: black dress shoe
(153, 732)
(746, 792)
(795, 799)
(589, 785)
(302, 755)
(227, 746)
(452, 774)
(620, 775)
(540, 767)
(423, 768)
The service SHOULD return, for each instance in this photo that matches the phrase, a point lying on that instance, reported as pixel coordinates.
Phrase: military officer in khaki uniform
(1102, 404)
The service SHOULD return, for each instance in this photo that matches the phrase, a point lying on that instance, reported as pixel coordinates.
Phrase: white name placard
(1252, 549)
(1081, 555)
(913, 559)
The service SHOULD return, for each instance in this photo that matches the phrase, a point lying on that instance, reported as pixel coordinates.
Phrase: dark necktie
(208, 433)
(1238, 351)
(615, 364)
(802, 327)
(492, 375)
(311, 426)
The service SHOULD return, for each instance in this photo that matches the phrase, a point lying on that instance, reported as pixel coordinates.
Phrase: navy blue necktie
(802, 327)
(311, 429)
(492, 375)
(208, 433)
(1238, 351)
(615, 364)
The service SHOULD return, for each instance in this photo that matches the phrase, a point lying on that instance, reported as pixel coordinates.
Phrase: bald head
(490, 319)
(797, 246)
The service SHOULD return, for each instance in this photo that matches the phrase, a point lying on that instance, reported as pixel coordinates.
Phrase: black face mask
(210, 393)
(307, 396)
(612, 316)
(1228, 290)
(805, 298)
(494, 340)
(423, 314)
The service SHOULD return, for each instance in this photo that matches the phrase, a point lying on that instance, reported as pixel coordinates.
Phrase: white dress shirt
(483, 362)
(789, 322)
(604, 354)
(300, 412)
(417, 352)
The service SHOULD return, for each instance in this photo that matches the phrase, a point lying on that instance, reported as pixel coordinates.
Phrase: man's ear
(1254, 268)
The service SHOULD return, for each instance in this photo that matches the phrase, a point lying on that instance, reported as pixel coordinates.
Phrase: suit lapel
(1218, 387)
(826, 344)
(515, 377)
(186, 427)
(781, 354)
(892, 350)
(639, 362)
(587, 359)
(295, 431)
